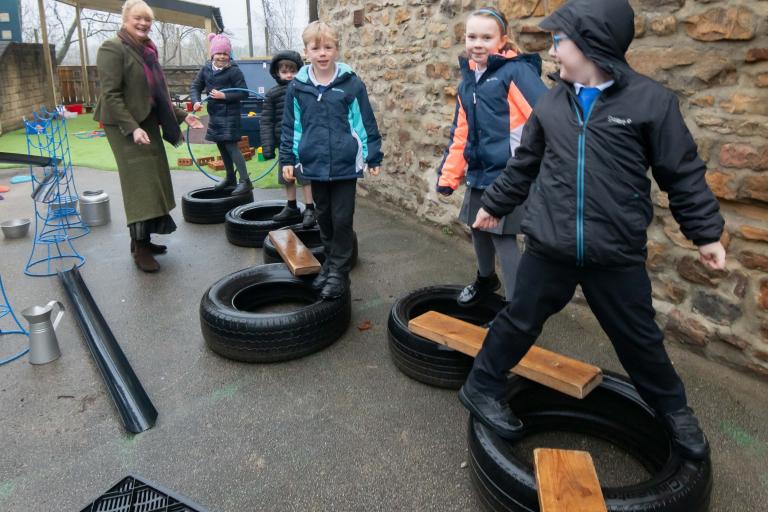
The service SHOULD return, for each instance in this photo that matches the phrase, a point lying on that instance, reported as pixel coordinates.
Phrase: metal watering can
(43, 345)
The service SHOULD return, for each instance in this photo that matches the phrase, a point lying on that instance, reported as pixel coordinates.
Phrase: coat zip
(580, 162)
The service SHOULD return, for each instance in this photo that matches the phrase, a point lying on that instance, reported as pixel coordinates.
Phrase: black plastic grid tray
(133, 494)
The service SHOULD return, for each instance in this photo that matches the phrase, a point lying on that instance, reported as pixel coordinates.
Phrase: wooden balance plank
(567, 375)
(567, 481)
(295, 254)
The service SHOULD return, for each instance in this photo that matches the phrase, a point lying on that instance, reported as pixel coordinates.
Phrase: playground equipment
(57, 221)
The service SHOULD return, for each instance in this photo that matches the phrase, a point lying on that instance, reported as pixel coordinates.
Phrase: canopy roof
(179, 12)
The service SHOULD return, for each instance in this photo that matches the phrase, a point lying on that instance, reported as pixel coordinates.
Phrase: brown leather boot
(155, 248)
(143, 257)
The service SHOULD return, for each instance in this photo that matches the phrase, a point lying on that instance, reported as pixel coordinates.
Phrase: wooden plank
(567, 481)
(295, 254)
(567, 375)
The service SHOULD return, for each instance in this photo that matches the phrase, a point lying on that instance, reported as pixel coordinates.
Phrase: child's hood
(602, 29)
(344, 70)
(497, 60)
(284, 55)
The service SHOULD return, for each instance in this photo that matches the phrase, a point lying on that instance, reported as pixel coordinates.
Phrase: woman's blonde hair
(131, 5)
(501, 20)
(318, 31)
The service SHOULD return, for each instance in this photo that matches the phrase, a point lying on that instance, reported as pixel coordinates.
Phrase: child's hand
(197, 107)
(374, 170)
(217, 94)
(712, 255)
(485, 220)
(193, 121)
(288, 173)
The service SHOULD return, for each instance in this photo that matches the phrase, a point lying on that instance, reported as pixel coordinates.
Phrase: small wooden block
(203, 160)
(184, 162)
(247, 156)
(217, 165)
(295, 254)
(567, 481)
(244, 138)
(567, 375)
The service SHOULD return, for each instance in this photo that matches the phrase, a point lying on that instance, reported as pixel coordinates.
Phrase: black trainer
(288, 213)
(492, 413)
(687, 435)
(475, 292)
(335, 286)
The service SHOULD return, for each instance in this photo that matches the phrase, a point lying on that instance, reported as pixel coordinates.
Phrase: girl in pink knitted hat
(223, 110)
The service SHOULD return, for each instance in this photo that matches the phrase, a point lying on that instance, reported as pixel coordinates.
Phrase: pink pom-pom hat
(219, 43)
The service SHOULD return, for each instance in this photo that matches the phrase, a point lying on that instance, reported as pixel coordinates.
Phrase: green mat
(94, 152)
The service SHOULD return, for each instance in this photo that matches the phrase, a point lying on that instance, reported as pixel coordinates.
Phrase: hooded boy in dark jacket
(588, 146)
(283, 68)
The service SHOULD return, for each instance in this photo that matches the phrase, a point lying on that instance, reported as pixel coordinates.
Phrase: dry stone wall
(23, 86)
(713, 54)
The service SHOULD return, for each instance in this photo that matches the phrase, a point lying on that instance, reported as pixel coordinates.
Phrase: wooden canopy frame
(179, 12)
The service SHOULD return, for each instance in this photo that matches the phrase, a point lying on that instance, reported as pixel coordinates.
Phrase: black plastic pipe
(133, 404)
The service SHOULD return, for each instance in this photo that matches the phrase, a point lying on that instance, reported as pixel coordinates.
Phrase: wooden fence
(71, 82)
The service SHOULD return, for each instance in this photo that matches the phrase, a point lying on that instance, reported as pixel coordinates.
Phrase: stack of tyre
(264, 313)
(613, 412)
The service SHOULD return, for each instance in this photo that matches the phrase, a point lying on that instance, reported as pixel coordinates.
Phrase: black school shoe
(335, 286)
(244, 187)
(286, 214)
(475, 292)
(686, 433)
(492, 413)
(309, 219)
(319, 281)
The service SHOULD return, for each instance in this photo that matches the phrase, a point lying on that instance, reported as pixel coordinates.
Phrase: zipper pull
(474, 98)
(320, 96)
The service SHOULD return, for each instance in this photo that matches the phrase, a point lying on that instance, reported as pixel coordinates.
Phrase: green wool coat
(124, 105)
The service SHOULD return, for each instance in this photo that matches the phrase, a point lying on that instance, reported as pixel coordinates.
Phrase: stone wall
(23, 86)
(714, 54)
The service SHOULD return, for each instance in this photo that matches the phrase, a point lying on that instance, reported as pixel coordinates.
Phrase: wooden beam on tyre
(567, 375)
(566, 481)
(295, 254)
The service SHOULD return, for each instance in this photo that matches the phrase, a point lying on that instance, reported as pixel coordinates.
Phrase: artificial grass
(94, 152)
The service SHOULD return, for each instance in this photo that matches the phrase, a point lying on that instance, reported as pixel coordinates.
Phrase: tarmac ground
(340, 430)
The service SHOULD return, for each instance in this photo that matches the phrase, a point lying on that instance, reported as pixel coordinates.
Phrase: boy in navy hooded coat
(329, 137)
(588, 146)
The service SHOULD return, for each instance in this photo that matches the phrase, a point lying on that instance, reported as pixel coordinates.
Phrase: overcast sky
(235, 19)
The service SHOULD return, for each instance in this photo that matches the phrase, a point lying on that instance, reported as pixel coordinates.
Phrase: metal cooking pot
(94, 208)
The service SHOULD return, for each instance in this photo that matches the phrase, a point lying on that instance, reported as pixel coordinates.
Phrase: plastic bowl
(15, 228)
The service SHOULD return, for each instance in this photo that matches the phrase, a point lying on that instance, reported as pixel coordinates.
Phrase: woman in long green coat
(134, 106)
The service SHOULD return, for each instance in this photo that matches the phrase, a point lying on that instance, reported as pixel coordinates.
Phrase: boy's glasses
(556, 38)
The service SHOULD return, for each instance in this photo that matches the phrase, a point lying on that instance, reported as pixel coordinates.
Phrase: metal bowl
(15, 228)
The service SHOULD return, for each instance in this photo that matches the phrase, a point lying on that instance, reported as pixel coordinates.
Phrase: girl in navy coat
(223, 109)
(496, 96)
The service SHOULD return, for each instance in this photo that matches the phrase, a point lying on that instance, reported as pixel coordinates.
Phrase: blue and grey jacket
(332, 132)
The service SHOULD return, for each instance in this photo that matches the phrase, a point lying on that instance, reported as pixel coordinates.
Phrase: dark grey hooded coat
(591, 205)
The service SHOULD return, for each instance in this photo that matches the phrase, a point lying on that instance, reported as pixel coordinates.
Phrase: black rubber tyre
(310, 238)
(424, 360)
(207, 206)
(614, 412)
(248, 225)
(233, 329)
